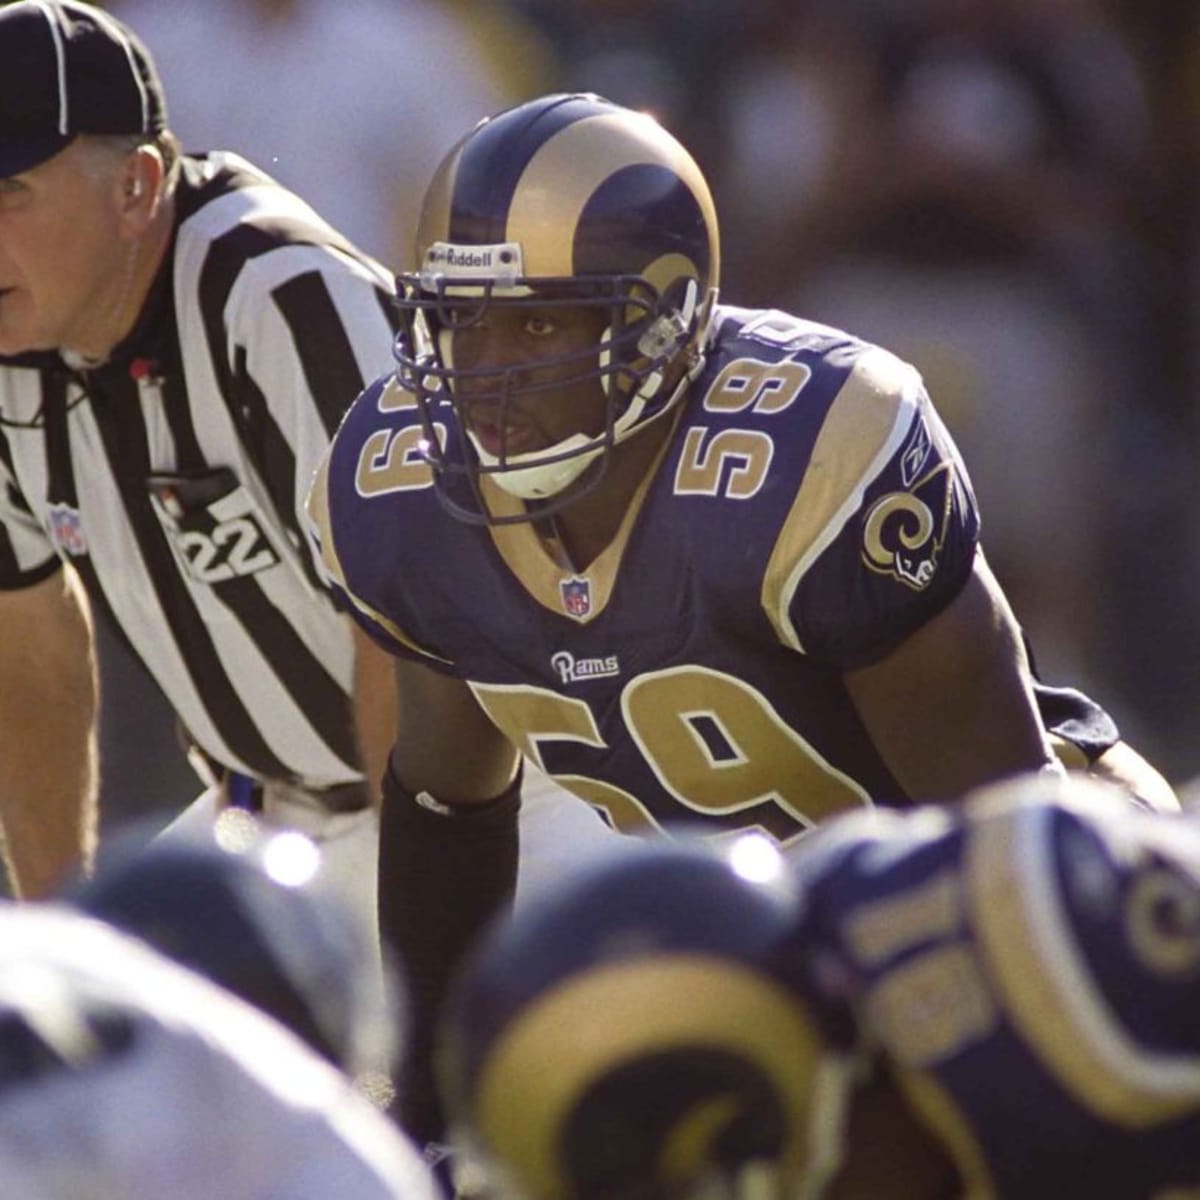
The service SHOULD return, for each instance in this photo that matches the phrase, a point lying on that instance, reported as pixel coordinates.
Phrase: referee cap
(67, 68)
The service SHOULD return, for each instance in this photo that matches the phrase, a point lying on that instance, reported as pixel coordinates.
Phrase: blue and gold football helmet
(251, 913)
(636, 1035)
(565, 200)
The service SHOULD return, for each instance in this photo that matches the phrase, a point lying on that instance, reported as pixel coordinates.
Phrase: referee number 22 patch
(212, 525)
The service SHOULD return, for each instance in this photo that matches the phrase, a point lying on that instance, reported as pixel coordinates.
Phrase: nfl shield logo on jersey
(576, 597)
(66, 529)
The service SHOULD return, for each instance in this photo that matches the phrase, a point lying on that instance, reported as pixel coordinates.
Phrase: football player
(691, 559)
(996, 1000)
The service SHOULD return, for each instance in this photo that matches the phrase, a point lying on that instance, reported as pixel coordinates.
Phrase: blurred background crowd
(1000, 191)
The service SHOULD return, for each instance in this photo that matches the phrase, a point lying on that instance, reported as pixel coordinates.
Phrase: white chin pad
(538, 480)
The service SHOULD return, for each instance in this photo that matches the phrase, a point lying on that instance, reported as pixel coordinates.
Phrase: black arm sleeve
(444, 873)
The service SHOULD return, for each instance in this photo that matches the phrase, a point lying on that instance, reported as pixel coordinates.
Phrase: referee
(179, 336)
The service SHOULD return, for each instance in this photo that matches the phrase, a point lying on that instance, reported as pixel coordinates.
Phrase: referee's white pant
(558, 832)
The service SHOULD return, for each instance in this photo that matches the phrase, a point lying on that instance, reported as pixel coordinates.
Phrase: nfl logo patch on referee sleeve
(66, 529)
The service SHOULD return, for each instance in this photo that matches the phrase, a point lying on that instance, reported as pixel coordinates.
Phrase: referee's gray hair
(112, 148)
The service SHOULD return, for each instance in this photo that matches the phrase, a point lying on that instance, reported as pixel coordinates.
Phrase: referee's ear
(141, 185)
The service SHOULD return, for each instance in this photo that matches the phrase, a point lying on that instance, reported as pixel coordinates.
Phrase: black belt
(246, 792)
(342, 797)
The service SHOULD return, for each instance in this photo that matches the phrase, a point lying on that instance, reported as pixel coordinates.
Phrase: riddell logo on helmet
(468, 258)
(502, 258)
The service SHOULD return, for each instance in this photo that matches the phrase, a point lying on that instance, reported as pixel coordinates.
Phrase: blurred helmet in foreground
(256, 921)
(633, 1037)
(123, 1074)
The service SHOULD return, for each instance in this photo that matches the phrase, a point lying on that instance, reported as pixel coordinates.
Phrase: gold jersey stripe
(1044, 984)
(864, 427)
(533, 563)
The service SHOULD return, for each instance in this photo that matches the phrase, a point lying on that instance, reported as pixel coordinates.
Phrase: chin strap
(667, 332)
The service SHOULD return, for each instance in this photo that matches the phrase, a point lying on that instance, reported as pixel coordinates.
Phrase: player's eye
(539, 325)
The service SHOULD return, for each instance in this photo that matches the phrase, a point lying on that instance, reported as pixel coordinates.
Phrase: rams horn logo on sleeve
(904, 532)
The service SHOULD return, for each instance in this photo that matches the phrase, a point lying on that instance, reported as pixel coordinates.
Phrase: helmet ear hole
(665, 333)
(681, 296)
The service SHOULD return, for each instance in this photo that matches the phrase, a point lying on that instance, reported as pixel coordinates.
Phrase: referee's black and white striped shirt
(174, 476)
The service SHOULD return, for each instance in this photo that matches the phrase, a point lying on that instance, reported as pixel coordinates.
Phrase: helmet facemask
(649, 348)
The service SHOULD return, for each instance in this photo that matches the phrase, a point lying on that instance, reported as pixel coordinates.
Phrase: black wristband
(422, 809)
(445, 872)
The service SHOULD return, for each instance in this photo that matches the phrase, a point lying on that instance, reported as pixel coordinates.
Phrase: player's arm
(444, 742)
(1123, 765)
(48, 773)
(448, 854)
(898, 593)
(952, 706)
(374, 707)
(1086, 739)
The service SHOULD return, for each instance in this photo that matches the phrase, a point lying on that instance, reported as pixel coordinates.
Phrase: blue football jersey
(808, 513)
(1031, 973)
